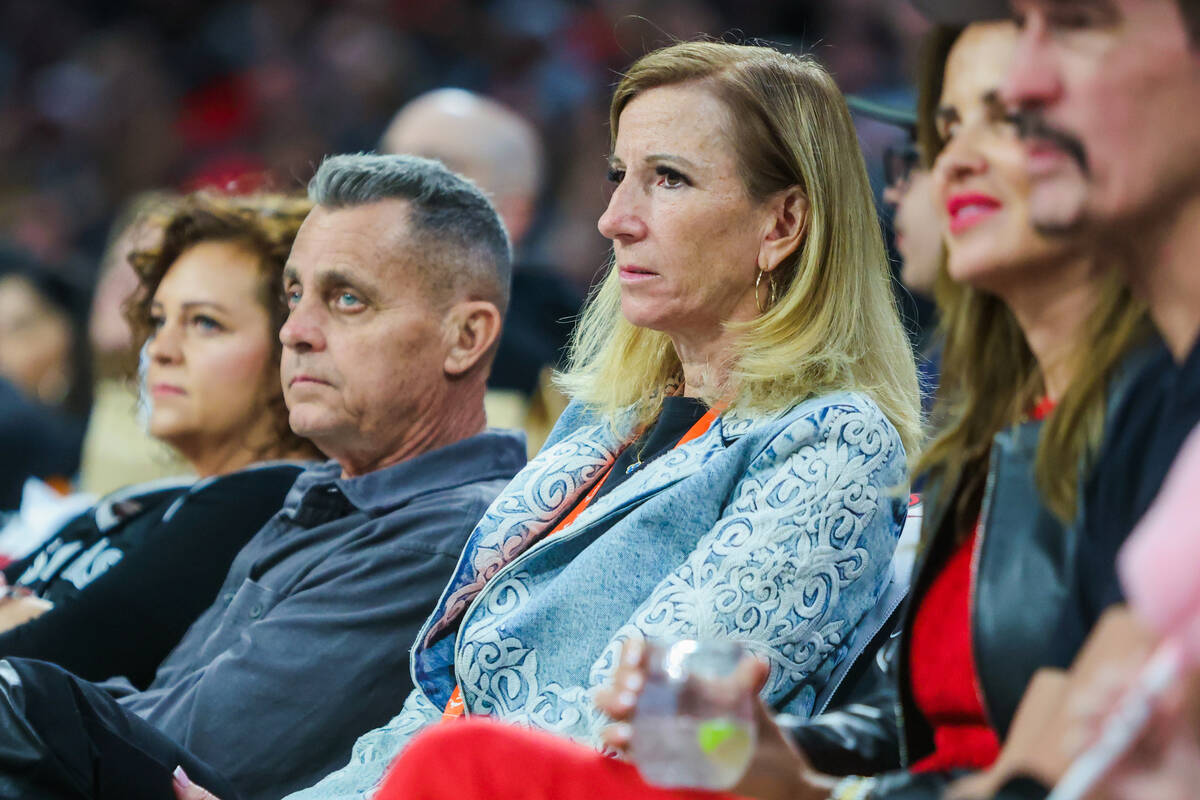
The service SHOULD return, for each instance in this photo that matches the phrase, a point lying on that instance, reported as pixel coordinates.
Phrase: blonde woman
(733, 462)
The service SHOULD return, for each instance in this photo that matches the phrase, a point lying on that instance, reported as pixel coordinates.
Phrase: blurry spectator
(208, 308)
(44, 359)
(917, 228)
(117, 449)
(502, 153)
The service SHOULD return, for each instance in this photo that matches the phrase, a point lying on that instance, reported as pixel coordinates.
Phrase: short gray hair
(449, 216)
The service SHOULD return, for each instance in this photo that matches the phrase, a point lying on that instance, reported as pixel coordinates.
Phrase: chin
(639, 315)
(166, 429)
(309, 422)
(979, 267)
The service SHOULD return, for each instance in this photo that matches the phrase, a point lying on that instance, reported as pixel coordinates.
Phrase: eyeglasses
(899, 161)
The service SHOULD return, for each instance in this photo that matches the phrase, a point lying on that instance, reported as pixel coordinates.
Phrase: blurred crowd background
(109, 105)
(103, 99)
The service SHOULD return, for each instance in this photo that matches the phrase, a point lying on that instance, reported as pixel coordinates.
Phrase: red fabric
(479, 759)
(944, 682)
(1042, 408)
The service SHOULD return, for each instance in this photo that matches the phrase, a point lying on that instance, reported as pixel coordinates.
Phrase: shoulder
(263, 477)
(245, 492)
(435, 523)
(576, 417)
(848, 419)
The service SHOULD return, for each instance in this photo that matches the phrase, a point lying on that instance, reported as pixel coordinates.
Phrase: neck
(1051, 313)
(449, 416)
(218, 458)
(1167, 274)
(705, 361)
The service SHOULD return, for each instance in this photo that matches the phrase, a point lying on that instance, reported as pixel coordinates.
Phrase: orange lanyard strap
(454, 706)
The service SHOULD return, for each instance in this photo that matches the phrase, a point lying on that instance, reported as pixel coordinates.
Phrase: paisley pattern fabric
(777, 532)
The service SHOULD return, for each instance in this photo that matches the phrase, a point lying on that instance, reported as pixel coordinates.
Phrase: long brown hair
(989, 376)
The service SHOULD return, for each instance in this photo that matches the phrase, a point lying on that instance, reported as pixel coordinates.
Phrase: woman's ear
(473, 327)
(789, 224)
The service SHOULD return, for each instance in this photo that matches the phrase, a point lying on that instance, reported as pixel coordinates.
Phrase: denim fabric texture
(777, 532)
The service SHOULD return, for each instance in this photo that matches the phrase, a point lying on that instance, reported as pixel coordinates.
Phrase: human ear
(473, 326)
(788, 225)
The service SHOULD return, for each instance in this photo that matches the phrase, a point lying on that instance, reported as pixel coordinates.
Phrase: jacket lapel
(540, 494)
(663, 472)
(551, 484)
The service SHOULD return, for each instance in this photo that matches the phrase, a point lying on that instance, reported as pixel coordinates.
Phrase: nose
(1034, 80)
(164, 346)
(959, 159)
(302, 330)
(621, 221)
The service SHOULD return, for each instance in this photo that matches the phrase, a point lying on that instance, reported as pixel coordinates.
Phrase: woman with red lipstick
(1040, 342)
(126, 579)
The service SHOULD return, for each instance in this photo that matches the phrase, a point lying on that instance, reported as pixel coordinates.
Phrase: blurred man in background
(502, 153)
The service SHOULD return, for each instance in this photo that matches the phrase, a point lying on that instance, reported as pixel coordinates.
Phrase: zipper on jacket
(984, 512)
(841, 679)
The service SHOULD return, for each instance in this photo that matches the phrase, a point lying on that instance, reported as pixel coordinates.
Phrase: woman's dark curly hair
(265, 225)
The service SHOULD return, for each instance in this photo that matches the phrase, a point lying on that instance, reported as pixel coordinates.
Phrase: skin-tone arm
(777, 771)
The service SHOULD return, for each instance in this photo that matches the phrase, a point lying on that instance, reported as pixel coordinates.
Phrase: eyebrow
(994, 105)
(945, 115)
(192, 304)
(333, 277)
(658, 157)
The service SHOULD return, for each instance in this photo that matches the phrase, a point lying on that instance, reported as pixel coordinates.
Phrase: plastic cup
(693, 726)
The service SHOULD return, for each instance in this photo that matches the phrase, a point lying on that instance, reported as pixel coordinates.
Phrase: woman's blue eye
(291, 297)
(207, 323)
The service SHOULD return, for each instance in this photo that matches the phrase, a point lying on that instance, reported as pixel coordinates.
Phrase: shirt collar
(491, 455)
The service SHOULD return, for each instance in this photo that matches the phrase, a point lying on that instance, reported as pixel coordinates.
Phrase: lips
(310, 380)
(632, 272)
(969, 209)
(166, 390)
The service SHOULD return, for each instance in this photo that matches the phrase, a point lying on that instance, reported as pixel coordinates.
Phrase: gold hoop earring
(770, 291)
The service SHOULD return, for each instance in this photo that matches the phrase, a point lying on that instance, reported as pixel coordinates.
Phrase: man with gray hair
(396, 287)
(502, 153)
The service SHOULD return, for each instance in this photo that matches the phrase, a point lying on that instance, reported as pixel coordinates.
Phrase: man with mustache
(396, 287)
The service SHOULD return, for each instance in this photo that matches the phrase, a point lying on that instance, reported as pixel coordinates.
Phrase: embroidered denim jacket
(777, 532)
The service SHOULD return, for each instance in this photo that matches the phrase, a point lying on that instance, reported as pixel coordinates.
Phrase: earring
(770, 291)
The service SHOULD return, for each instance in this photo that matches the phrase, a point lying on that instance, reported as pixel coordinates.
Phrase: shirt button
(256, 611)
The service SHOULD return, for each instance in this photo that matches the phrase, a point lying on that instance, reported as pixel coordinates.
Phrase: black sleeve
(859, 734)
(126, 621)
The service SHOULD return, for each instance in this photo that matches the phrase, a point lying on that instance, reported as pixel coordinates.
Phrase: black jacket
(1023, 565)
(129, 576)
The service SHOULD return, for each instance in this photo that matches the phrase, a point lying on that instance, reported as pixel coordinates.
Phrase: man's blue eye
(348, 300)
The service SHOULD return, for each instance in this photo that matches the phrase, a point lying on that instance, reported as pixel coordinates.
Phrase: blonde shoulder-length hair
(834, 325)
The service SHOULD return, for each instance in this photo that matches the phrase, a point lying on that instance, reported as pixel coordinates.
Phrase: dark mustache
(1032, 125)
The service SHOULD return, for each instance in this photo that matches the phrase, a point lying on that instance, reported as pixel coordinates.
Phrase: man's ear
(789, 225)
(473, 326)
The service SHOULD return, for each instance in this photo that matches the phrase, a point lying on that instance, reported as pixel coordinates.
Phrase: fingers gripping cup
(694, 723)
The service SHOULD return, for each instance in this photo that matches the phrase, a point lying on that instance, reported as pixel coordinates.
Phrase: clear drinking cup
(693, 727)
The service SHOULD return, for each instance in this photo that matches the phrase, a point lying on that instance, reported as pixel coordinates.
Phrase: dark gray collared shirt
(307, 645)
